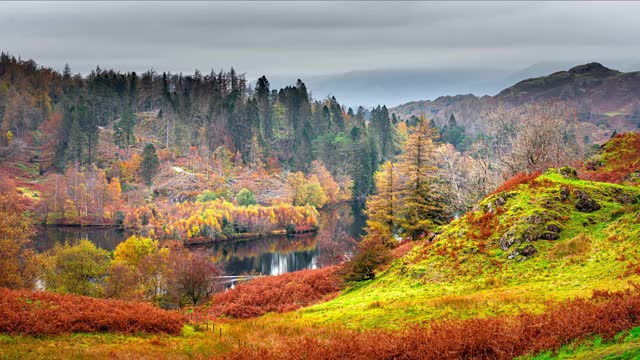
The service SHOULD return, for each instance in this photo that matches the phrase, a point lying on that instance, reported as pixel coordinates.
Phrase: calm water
(339, 226)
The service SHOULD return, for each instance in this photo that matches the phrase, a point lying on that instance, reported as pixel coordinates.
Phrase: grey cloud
(317, 37)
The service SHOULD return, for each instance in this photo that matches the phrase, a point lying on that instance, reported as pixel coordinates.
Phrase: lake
(339, 226)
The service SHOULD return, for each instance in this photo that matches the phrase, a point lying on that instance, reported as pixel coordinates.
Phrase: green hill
(547, 239)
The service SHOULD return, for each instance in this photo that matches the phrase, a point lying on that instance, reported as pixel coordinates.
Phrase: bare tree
(465, 178)
(533, 137)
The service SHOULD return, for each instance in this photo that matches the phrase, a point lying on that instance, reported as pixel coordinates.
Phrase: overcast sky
(312, 38)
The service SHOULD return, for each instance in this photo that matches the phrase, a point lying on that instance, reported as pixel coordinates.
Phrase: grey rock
(586, 203)
(564, 193)
(550, 236)
(528, 251)
(553, 228)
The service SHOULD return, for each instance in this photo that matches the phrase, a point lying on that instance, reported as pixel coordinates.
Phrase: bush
(206, 195)
(44, 313)
(371, 255)
(516, 180)
(277, 293)
(245, 198)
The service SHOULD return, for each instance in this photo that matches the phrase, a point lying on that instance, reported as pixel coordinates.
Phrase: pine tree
(123, 135)
(77, 140)
(422, 206)
(383, 132)
(382, 207)
(149, 164)
(264, 109)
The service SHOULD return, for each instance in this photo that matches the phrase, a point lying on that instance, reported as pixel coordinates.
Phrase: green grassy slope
(519, 250)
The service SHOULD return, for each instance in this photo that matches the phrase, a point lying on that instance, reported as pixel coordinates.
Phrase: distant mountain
(397, 86)
(604, 100)
(533, 71)
(393, 87)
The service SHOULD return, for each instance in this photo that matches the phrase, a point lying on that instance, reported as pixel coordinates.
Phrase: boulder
(564, 193)
(550, 236)
(553, 228)
(528, 251)
(500, 201)
(586, 203)
(507, 239)
(523, 253)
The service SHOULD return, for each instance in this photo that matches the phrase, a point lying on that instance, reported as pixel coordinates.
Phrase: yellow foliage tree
(422, 204)
(134, 249)
(382, 207)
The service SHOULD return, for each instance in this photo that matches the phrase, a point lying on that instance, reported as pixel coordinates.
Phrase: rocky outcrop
(586, 203)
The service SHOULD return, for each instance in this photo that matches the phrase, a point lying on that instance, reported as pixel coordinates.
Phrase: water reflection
(271, 255)
(103, 237)
(339, 226)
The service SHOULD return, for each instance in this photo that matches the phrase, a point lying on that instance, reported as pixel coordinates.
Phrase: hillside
(603, 99)
(537, 241)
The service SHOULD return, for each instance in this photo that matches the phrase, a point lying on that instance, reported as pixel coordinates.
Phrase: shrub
(44, 313)
(276, 293)
(370, 256)
(516, 180)
(245, 198)
(206, 195)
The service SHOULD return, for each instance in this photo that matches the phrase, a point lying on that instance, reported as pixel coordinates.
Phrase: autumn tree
(305, 190)
(149, 164)
(154, 274)
(17, 259)
(315, 193)
(120, 281)
(382, 207)
(422, 203)
(464, 179)
(134, 249)
(76, 269)
(328, 184)
(193, 275)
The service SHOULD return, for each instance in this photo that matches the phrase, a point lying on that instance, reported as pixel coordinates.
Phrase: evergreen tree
(149, 164)
(382, 207)
(383, 132)
(66, 73)
(454, 134)
(123, 135)
(422, 207)
(76, 140)
(264, 109)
